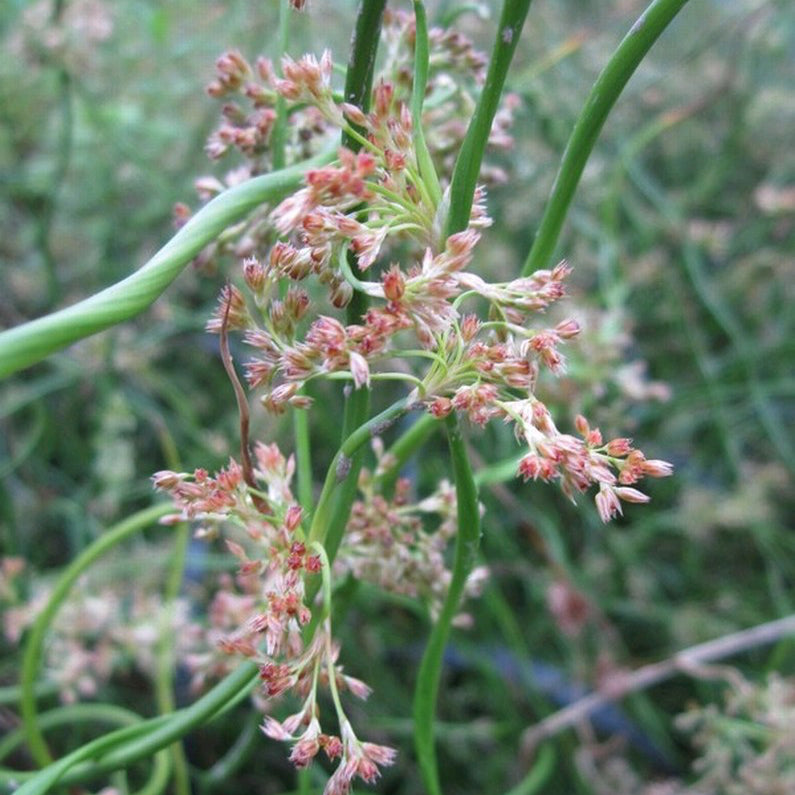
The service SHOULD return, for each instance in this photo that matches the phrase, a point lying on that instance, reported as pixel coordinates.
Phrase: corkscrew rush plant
(373, 195)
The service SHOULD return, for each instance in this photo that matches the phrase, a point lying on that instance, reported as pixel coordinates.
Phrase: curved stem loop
(31, 342)
(604, 94)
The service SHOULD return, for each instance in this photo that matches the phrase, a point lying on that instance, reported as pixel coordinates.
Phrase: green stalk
(31, 658)
(421, 60)
(95, 713)
(467, 164)
(303, 460)
(125, 746)
(466, 549)
(604, 94)
(462, 191)
(364, 46)
(31, 342)
(340, 470)
(71, 713)
(328, 522)
(403, 448)
(279, 132)
(334, 507)
(164, 677)
(357, 409)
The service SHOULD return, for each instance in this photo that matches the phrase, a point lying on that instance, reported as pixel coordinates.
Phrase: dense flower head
(486, 362)
(371, 221)
(250, 91)
(387, 543)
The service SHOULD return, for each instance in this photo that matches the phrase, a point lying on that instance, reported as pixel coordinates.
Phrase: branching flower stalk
(389, 228)
(466, 346)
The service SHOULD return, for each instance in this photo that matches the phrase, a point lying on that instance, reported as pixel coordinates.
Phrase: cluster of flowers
(386, 542)
(316, 113)
(484, 363)
(267, 621)
(112, 622)
(457, 70)
(487, 368)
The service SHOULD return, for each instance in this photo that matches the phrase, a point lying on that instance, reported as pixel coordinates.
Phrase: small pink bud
(341, 295)
(630, 495)
(357, 687)
(470, 325)
(180, 214)
(383, 99)
(568, 329)
(265, 68)
(380, 754)
(278, 315)
(273, 729)
(394, 283)
(236, 549)
(360, 370)
(594, 438)
(354, 114)
(619, 447)
(254, 274)
(332, 746)
(395, 161)
(313, 564)
(657, 469)
(296, 302)
(440, 407)
(301, 402)
(293, 517)
(607, 504)
(166, 479)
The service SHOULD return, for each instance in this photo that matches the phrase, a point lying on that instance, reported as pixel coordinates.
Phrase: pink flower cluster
(386, 543)
(485, 364)
(315, 115)
(265, 623)
(460, 343)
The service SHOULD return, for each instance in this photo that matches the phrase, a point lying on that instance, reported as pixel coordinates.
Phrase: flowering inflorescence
(267, 621)
(386, 542)
(461, 343)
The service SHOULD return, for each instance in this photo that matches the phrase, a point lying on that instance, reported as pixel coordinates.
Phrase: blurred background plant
(682, 237)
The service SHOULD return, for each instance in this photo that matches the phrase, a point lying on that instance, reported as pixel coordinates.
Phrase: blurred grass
(683, 240)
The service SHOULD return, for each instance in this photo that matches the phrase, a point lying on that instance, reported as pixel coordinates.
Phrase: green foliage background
(683, 241)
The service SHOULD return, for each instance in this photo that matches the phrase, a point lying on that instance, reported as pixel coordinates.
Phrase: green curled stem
(31, 659)
(604, 94)
(31, 342)
(122, 747)
(93, 713)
